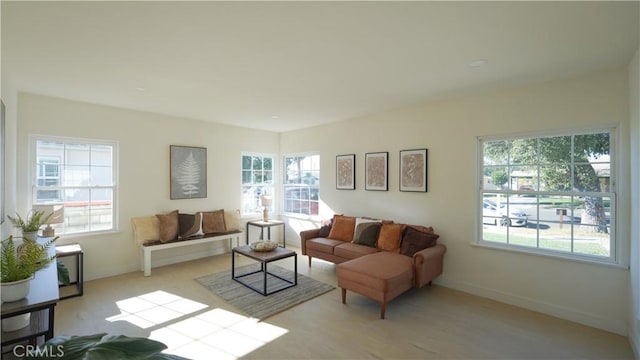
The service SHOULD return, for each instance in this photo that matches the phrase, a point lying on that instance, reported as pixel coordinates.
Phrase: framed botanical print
(377, 171)
(188, 172)
(346, 172)
(413, 170)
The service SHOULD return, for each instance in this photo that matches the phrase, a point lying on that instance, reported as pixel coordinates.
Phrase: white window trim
(615, 258)
(33, 175)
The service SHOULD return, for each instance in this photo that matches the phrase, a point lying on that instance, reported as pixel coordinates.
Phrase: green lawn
(580, 246)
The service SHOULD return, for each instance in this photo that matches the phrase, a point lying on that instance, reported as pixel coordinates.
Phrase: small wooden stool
(381, 276)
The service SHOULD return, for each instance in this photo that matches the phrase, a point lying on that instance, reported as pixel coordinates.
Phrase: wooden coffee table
(264, 257)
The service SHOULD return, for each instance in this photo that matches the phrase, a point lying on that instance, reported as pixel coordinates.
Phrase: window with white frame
(301, 184)
(257, 181)
(81, 175)
(551, 194)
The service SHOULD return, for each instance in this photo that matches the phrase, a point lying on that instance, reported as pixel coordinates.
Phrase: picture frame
(377, 171)
(413, 170)
(346, 172)
(188, 172)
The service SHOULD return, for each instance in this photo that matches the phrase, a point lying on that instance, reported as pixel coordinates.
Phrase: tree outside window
(551, 193)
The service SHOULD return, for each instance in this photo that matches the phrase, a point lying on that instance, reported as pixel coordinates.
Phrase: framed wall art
(346, 172)
(377, 171)
(413, 170)
(188, 172)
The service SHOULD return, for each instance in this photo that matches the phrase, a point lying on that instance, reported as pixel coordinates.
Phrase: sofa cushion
(323, 244)
(414, 240)
(342, 228)
(367, 234)
(168, 226)
(213, 222)
(390, 237)
(382, 271)
(189, 225)
(352, 251)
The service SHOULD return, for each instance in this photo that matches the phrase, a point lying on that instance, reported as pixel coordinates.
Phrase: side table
(73, 250)
(267, 224)
(40, 302)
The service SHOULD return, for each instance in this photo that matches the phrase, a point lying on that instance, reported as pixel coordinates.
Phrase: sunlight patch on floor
(179, 323)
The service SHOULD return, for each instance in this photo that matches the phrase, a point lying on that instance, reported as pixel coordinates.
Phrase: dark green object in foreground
(102, 347)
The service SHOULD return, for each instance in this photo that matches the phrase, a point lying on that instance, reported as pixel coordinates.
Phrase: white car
(492, 215)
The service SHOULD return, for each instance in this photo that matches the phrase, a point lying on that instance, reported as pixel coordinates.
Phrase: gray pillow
(367, 234)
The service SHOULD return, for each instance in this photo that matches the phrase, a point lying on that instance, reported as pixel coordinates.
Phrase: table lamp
(55, 214)
(266, 202)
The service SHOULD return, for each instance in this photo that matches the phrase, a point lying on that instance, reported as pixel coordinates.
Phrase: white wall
(143, 187)
(595, 295)
(634, 308)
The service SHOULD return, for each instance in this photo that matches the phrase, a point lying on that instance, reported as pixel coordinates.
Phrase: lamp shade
(56, 211)
(266, 201)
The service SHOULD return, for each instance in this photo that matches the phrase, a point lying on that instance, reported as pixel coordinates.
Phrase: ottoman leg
(383, 307)
(344, 295)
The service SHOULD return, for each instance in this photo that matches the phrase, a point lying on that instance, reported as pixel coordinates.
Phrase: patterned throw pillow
(168, 226)
(390, 237)
(213, 222)
(367, 234)
(189, 225)
(342, 228)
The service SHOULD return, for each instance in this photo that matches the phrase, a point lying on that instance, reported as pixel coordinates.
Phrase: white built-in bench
(146, 233)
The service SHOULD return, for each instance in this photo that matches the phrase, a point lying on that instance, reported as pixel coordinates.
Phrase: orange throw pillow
(342, 228)
(390, 237)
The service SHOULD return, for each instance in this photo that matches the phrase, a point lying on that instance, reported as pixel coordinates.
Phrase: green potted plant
(18, 264)
(104, 346)
(31, 223)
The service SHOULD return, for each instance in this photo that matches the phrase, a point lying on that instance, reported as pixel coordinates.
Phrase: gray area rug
(257, 305)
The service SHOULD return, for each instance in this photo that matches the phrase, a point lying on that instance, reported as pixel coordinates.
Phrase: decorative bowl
(263, 245)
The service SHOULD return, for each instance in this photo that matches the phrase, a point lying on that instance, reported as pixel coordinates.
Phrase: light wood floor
(429, 323)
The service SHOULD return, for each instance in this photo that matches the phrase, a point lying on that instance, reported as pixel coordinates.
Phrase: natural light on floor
(191, 332)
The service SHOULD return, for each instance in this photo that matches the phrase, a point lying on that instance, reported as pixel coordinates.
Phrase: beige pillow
(145, 229)
(232, 220)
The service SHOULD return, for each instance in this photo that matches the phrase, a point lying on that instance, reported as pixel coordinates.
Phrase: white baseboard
(538, 306)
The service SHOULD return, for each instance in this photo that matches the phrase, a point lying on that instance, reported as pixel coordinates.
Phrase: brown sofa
(377, 259)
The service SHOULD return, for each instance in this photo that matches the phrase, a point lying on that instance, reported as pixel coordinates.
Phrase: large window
(81, 175)
(549, 194)
(257, 181)
(301, 184)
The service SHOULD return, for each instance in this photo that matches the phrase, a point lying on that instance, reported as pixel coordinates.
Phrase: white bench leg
(147, 262)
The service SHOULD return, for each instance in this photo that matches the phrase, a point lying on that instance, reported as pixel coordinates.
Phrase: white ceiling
(287, 65)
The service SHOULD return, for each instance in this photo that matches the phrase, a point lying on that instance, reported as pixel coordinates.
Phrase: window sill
(549, 254)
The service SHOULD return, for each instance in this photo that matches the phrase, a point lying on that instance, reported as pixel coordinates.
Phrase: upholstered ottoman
(381, 276)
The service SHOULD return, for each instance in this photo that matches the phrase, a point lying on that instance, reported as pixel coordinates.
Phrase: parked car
(491, 214)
